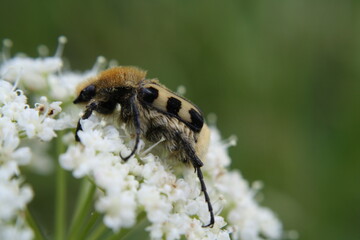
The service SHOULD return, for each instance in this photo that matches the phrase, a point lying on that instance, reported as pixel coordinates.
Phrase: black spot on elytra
(173, 105)
(149, 94)
(196, 119)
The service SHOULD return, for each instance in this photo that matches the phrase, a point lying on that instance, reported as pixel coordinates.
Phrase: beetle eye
(86, 94)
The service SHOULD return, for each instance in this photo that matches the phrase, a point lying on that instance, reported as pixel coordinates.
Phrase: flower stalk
(33, 225)
(83, 207)
(94, 217)
(60, 197)
(98, 232)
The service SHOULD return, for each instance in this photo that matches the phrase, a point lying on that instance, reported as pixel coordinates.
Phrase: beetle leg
(195, 160)
(197, 164)
(100, 107)
(89, 109)
(206, 195)
(136, 119)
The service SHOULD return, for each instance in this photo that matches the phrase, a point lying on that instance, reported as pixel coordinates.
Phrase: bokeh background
(281, 75)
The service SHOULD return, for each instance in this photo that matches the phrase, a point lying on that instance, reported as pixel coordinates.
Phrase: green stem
(81, 198)
(30, 220)
(100, 230)
(91, 223)
(60, 198)
(82, 208)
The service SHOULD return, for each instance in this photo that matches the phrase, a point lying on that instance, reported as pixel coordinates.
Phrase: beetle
(153, 111)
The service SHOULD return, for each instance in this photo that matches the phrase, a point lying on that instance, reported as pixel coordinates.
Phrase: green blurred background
(281, 75)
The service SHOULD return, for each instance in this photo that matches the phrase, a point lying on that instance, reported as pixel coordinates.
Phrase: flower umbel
(147, 188)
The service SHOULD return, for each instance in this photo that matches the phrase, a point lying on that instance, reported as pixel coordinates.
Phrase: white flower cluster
(17, 120)
(20, 121)
(174, 205)
(168, 193)
(246, 219)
